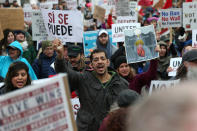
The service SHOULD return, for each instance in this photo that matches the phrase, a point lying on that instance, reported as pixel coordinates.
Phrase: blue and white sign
(89, 41)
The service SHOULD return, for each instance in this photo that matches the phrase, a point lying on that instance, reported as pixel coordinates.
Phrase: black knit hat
(119, 60)
(127, 97)
(190, 55)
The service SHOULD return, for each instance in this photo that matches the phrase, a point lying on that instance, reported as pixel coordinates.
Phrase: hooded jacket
(109, 48)
(5, 62)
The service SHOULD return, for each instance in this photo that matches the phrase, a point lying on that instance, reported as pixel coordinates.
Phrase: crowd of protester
(112, 93)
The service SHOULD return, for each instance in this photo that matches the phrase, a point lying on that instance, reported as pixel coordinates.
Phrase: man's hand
(58, 47)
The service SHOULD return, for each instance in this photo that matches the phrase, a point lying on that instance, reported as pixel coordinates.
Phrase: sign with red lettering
(64, 25)
(190, 15)
(126, 19)
(27, 14)
(75, 105)
(44, 106)
(171, 17)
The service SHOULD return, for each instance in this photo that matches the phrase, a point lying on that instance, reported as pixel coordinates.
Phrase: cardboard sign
(27, 14)
(122, 8)
(89, 41)
(44, 106)
(118, 30)
(161, 85)
(190, 15)
(64, 25)
(39, 32)
(194, 38)
(174, 64)
(99, 13)
(1, 33)
(106, 4)
(126, 19)
(140, 44)
(12, 18)
(171, 17)
(75, 105)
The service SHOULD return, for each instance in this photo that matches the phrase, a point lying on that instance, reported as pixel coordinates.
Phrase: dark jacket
(95, 99)
(43, 66)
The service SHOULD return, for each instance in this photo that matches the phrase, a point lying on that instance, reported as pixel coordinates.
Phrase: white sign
(171, 17)
(118, 30)
(64, 25)
(40, 107)
(122, 8)
(47, 5)
(39, 32)
(126, 19)
(160, 85)
(190, 15)
(174, 64)
(134, 10)
(27, 14)
(75, 105)
(71, 4)
(194, 38)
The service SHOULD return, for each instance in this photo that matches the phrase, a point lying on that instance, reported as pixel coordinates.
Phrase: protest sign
(47, 5)
(99, 13)
(89, 41)
(39, 32)
(171, 17)
(174, 64)
(122, 8)
(12, 18)
(194, 38)
(1, 33)
(145, 2)
(75, 105)
(106, 4)
(126, 19)
(64, 25)
(53, 1)
(27, 14)
(140, 44)
(118, 30)
(44, 106)
(133, 10)
(161, 85)
(190, 15)
(71, 4)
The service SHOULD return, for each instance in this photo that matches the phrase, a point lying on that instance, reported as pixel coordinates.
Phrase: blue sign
(89, 41)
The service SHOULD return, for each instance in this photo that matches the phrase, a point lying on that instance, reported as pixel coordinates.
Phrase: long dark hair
(4, 41)
(13, 69)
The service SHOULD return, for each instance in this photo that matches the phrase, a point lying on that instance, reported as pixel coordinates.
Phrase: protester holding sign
(97, 89)
(164, 62)
(16, 78)
(15, 53)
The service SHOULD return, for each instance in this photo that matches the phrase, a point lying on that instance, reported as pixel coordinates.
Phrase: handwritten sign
(161, 85)
(194, 38)
(65, 25)
(190, 15)
(174, 64)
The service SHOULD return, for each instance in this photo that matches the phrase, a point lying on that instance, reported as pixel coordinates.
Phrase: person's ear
(108, 62)
(186, 64)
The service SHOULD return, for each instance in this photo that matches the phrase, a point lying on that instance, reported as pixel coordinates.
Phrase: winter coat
(44, 66)
(94, 97)
(145, 78)
(5, 62)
